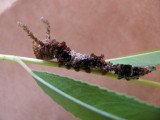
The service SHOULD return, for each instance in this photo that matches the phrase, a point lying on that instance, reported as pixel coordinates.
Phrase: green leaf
(151, 57)
(90, 102)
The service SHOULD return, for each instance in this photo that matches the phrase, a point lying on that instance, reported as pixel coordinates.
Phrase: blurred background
(114, 28)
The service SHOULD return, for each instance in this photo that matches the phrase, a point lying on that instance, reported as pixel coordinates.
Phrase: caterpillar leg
(45, 21)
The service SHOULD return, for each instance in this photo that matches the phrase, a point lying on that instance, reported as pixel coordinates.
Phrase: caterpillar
(48, 49)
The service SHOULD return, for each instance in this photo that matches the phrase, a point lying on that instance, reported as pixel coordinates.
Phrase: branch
(55, 64)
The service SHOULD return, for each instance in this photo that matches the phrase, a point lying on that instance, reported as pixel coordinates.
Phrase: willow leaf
(151, 57)
(90, 102)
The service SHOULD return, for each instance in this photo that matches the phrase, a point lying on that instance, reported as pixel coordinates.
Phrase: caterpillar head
(41, 48)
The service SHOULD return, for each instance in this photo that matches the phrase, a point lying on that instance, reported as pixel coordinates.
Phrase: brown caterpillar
(49, 49)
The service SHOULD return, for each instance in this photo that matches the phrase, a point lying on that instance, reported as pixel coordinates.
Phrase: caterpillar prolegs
(49, 49)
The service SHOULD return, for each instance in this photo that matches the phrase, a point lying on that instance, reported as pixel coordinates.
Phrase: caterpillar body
(48, 49)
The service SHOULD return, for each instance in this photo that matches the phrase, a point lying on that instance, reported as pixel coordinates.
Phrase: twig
(55, 64)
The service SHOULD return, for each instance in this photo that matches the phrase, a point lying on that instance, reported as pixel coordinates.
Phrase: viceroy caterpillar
(49, 49)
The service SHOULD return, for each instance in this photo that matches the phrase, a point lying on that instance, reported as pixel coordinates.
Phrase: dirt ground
(114, 28)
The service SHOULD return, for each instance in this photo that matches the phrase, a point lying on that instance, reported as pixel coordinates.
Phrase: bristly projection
(49, 49)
